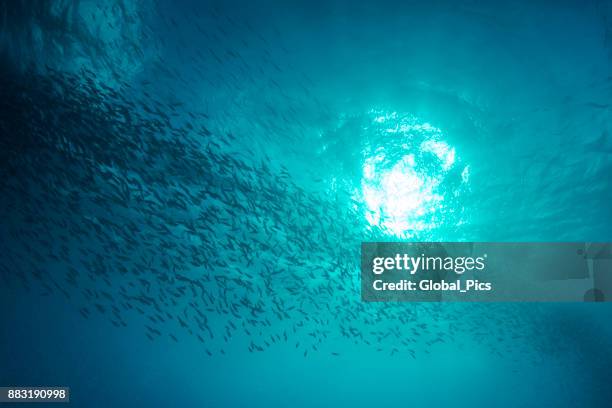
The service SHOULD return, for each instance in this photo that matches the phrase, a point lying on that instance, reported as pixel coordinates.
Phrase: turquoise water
(185, 188)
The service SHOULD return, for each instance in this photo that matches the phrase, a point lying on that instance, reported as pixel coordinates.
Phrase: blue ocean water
(185, 186)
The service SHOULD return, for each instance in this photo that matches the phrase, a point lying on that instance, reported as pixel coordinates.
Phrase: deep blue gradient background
(520, 90)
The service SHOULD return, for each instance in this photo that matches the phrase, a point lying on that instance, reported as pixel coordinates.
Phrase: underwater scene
(185, 186)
